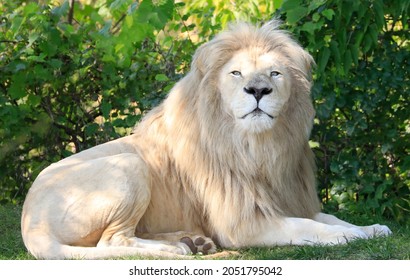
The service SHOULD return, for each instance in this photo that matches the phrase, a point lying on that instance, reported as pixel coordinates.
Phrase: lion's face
(254, 87)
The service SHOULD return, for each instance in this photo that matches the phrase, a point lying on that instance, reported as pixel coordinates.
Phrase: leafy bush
(73, 76)
(362, 86)
(76, 76)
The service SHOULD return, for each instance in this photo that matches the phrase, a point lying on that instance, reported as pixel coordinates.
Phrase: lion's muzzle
(258, 93)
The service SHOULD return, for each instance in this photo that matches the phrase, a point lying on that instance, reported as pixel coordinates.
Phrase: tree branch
(116, 26)
(71, 12)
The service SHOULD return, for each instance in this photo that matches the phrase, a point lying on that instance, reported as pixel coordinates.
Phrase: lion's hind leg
(128, 204)
(90, 210)
(126, 238)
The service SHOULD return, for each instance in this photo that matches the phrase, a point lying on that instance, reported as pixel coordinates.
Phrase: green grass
(396, 247)
(11, 243)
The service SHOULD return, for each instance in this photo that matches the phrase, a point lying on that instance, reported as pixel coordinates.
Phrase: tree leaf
(288, 5)
(347, 63)
(294, 15)
(324, 56)
(161, 78)
(328, 14)
(106, 109)
(91, 129)
(311, 27)
(17, 88)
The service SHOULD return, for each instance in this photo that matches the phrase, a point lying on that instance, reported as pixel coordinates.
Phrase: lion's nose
(258, 93)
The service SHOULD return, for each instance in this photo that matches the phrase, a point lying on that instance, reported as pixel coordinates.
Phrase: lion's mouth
(257, 112)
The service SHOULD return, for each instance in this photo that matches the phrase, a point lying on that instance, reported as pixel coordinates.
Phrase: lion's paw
(199, 244)
(376, 230)
(343, 235)
(352, 234)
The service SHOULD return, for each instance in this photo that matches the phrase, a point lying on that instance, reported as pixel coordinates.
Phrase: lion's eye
(236, 73)
(274, 73)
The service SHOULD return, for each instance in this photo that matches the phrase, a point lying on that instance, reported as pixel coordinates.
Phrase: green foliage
(361, 92)
(71, 82)
(74, 77)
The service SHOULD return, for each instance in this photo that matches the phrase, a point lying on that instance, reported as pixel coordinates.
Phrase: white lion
(223, 160)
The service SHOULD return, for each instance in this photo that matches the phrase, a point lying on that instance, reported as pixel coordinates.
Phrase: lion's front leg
(371, 231)
(300, 231)
(324, 229)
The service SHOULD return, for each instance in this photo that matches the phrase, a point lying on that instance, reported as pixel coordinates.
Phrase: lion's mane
(234, 180)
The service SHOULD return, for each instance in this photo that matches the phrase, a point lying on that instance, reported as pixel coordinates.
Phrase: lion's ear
(202, 59)
(215, 53)
(304, 62)
(309, 63)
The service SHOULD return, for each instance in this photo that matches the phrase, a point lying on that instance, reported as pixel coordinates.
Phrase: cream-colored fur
(223, 160)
